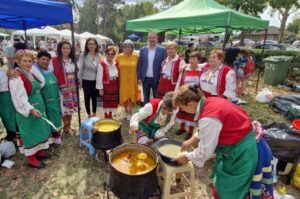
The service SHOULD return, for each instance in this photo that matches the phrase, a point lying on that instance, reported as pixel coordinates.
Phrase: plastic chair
(86, 134)
(167, 172)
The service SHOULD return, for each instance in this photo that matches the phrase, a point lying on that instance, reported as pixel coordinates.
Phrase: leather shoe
(43, 155)
(180, 132)
(38, 166)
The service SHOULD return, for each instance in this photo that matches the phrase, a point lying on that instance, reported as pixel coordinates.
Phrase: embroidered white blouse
(208, 83)
(167, 65)
(209, 129)
(112, 72)
(19, 96)
(147, 111)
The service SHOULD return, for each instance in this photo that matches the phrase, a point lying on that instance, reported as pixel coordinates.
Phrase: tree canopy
(285, 8)
(294, 26)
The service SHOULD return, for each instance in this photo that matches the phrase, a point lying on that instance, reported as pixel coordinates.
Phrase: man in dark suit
(149, 66)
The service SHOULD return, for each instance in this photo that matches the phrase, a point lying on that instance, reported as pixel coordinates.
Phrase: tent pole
(76, 73)
(226, 37)
(260, 61)
(180, 32)
(25, 34)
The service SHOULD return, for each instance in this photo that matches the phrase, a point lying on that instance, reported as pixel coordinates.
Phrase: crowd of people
(195, 91)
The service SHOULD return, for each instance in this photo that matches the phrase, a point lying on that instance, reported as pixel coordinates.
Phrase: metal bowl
(165, 158)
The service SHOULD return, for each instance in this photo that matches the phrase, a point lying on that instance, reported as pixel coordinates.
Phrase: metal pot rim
(133, 144)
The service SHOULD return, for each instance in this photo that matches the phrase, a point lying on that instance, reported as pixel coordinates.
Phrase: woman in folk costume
(169, 70)
(218, 79)
(65, 72)
(7, 110)
(107, 82)
(30, 107)
(50, 93)
(189, 76)
(153, 120)
(88, 67)
(226, 129)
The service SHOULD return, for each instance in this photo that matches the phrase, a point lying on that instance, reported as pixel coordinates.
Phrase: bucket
(296, 124)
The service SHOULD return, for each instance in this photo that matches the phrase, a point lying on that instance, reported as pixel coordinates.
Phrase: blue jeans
(148, 84)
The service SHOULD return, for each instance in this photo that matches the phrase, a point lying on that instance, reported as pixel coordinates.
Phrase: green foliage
(6, 31)
(294, 26)
(285, 8)
(129, 12)
(294, 74)
(283, 4)
(252, 7)
(88, 15)
(256, 54)
(138, 45)
(170, 3)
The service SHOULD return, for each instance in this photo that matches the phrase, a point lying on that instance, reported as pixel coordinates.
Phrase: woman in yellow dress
(127, 63)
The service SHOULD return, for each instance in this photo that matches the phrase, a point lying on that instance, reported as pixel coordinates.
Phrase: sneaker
(180, 132)
(238, 101)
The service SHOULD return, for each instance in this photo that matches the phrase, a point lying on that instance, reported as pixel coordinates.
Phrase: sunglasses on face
(111, 54)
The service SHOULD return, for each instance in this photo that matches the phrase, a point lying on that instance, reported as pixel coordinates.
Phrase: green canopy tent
(193, 16)
(196, 16)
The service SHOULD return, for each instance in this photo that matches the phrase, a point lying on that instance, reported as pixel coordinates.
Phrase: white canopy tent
(102, 40)
(83, 37)
(46, 32)
(3, 35)
(67, 33)
(86, 35)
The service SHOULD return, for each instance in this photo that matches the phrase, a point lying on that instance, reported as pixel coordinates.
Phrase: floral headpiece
(24, 52)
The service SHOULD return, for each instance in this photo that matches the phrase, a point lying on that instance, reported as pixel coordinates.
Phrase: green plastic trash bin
(276, 69)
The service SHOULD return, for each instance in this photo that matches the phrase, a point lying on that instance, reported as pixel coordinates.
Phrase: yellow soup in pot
(170, 150)
(106, 126)
(133, 162)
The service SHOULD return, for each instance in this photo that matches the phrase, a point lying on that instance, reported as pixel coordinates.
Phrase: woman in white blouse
(107, 82)
(65, 72)
(225, 129)
(169, 70)
(30, 107)
(218, 79)
(88, 66)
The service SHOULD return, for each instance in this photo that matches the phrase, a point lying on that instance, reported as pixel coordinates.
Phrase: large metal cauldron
(105, 140)
(127, 186)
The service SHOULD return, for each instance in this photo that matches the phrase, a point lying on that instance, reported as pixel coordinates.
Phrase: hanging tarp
(193, 16)
(26, 14)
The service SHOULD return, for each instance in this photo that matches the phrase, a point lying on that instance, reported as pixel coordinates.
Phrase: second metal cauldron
(131, 186)
(106, 134)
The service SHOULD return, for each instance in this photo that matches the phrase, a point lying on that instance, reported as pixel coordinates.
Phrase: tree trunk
(242, 39)
(285, 15)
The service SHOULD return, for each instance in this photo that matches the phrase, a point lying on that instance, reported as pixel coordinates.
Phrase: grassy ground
(73, 173)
